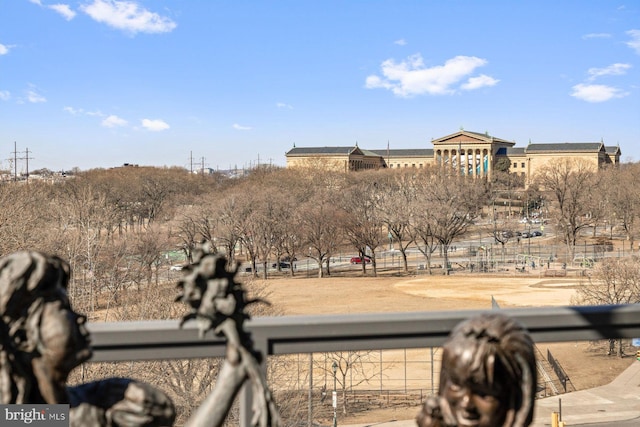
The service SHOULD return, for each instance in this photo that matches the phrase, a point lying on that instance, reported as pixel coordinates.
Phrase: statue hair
(495, 348)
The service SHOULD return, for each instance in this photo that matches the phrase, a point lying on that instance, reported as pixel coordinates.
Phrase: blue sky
(99, 83)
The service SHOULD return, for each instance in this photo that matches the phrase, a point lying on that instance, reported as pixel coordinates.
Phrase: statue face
(64, 337)
(475, 404)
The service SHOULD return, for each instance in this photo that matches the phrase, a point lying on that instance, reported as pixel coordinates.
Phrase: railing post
(260, 344)
(246, 405)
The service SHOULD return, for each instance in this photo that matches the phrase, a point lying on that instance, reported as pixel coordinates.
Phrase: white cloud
(239, 127)
(401, 42)
(283, 105)
(634, 43)
(596, 93)
(73, 111)
(4, 49)
(478, 82)
(64, 10)
(128, 16)
(411, 77)
(81, 111)
(154, 125)
(596, 36)
(34, 97)
(612, 70)
(114, 121)
(4, 95)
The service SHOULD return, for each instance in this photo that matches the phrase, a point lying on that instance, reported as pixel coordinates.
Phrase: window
(515, 164)
(522, 165)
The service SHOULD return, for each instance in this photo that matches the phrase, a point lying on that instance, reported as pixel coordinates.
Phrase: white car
(176, 267)
(524, 221)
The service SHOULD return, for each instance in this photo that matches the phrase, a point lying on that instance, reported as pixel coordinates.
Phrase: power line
(15, 159)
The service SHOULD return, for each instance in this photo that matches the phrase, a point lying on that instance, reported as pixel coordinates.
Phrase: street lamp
(334, 366)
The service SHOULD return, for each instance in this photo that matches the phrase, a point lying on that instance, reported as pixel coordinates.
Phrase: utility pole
(15, 161)
(27, 160)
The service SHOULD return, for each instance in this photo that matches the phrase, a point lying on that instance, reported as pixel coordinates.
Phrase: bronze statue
(487, 378)
(43, 340)
(218, 303)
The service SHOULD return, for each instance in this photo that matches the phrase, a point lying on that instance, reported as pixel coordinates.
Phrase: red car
(358, 260)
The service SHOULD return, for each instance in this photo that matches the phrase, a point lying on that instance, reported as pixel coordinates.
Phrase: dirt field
(586, 363)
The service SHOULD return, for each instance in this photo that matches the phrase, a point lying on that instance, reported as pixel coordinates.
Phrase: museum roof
(302, 151)
(566, 147)
(406, 152)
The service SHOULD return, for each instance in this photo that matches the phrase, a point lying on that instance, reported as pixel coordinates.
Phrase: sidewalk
(617, 401)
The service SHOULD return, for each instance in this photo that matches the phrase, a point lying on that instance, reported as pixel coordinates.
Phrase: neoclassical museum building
(474, 154)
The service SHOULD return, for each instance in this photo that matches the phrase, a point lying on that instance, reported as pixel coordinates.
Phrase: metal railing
(161, 340)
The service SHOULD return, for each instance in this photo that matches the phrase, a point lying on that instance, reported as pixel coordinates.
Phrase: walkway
(617, 401)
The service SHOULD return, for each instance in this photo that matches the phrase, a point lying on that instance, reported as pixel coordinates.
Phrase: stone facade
(471, 153)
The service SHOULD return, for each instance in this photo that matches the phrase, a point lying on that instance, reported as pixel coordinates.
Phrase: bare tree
(571, 183)
(397, 193)
(187, 234)
(614, 281)
(319, 222)
(624, 200)
(229, 214)
(506, 187)
(361, 221)
(352, 368)
(25, 216)
(422, 229)
(452, 204)
(149, 249)
(84, 213)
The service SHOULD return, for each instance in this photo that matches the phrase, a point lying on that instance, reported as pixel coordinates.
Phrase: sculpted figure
(43, 340)
(217, 302)
(487, 378)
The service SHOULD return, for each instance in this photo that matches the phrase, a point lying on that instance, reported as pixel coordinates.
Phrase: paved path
(605, 405)
(617, 401)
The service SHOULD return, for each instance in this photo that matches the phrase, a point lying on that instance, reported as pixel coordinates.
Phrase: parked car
(176, 267)
(525, 235)
(536, 233)
(358, 260)
(287, 258)
(282, 265)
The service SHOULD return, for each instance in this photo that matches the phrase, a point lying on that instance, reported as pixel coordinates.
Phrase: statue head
(488, 375)
(43, 339)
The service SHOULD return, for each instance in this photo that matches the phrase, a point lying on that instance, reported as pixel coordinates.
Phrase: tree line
(117, 226)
